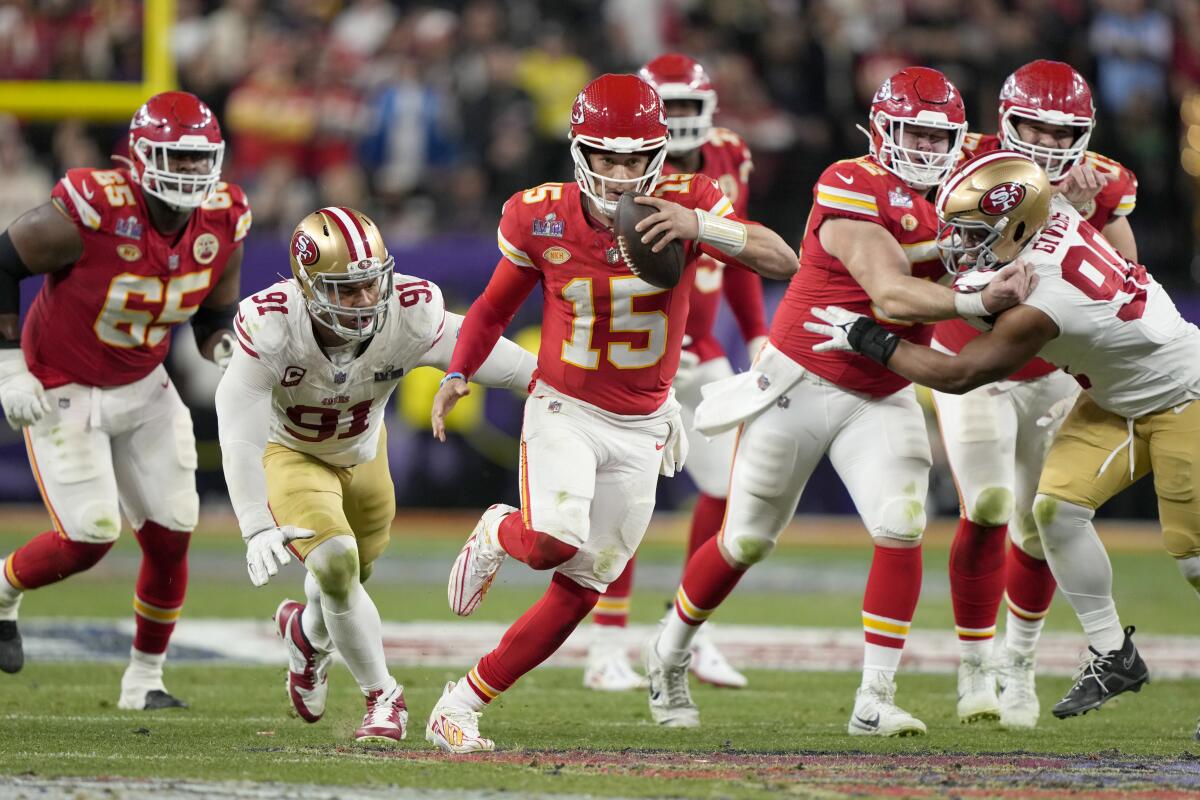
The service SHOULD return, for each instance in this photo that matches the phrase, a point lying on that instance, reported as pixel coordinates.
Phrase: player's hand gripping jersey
(857, 189)
(106, 320)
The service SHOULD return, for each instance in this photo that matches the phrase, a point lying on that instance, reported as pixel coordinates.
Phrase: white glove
(22, 395)
(223, 350)
(754, 345)
(840, 320)
(266, 551)
(1057, 412)
(675, 449)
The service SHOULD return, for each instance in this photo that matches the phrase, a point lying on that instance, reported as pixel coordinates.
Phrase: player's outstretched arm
(212, 323)
(875, 259)
(508, 366)
(1017, 337)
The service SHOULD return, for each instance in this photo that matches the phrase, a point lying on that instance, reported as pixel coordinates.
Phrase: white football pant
(708, 461)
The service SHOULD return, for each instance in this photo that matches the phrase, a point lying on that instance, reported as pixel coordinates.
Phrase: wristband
(873, 340)
(970, 304)
(449, 376)
(727, 235)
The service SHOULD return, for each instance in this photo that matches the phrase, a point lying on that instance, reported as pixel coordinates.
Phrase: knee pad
(182, 510)
(568, 521)
(747, 547)
(334, 564)
(992, 507)
(1025, 537)
(99, 522)
(1181, 544)
(767, 465)
(548, 552)
(902, 519)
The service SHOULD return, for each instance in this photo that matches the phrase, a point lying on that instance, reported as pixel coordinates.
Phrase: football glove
(223, 350)
(853, 332)
(21, 394)
(266, 551)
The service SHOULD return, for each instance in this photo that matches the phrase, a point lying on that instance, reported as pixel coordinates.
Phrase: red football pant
(976, 579)
(161, 586)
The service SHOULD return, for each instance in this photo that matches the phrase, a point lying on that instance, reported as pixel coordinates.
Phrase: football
(662, 269)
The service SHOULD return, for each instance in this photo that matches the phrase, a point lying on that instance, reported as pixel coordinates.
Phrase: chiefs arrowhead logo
(1002, 199)
(304, 249)
(577, 110)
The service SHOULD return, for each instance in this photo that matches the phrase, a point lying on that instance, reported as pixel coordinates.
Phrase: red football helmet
(677, 77)
(1054, 93)
(617, 114)
(923, 97)
(168, 127)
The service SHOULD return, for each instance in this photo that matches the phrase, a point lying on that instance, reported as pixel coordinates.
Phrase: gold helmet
(338, 252)
(989, 209)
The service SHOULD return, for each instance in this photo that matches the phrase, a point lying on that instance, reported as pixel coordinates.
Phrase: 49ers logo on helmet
(305, 249)
(1002, 199)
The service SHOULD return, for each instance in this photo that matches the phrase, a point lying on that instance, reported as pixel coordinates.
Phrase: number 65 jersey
(1120, 334)
(330, 411)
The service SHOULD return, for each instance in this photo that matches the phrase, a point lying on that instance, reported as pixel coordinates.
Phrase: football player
(602, 422)
(1107, 322)
(696, 146)
(127, 254)
(305, 450)
(870, 242)
(996, 436)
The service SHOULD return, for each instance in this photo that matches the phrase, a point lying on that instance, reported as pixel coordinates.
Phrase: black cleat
(12, 654)
(156, 699)
(1103, 677)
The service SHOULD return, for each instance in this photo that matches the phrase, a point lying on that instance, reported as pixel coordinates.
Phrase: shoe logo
(452, 733)
(658, 446)
(845, 180)
(1128, 662)
(870, 724)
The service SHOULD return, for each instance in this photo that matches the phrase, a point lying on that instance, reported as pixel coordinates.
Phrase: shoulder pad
(230, 201)
(265, 319)
(93, 196)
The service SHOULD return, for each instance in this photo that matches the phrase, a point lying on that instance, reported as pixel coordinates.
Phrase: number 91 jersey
(106, 319)
(333, 412)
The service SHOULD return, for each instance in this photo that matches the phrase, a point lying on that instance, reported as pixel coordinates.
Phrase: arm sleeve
(744, 293)
(509, 366)
(243, 403)
(490, 314)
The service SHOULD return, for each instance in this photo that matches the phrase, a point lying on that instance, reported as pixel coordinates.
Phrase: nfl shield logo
(763, 383)
(173, 261)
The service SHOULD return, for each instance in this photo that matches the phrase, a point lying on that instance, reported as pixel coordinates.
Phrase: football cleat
(12, 654)
(608, 668)
(709, 664)
(455, 729)
(477, 563)
(386, 720)
(142, 690)
(876, 713)
(976, 691)
(1102, 677)
(670, 696)
(1019, 706)
(307, 678)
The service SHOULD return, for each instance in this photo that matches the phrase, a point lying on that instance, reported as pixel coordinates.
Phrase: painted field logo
(205, 249)
(1002, 199)
(557, 255)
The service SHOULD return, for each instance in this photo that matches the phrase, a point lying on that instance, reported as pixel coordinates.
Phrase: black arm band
(12, 271)
(871, 339)
(208, 321)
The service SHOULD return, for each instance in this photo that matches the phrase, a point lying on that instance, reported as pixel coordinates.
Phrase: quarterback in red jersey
(601, 422)
(127, 254)
(870, 241)
(997, 436)
(696, 147)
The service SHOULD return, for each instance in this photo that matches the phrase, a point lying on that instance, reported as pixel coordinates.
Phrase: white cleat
(976, 691)
(876, 713)
(386, 720)
(455, 729)
(670, 696)
(1019, 706)
(709, 664)
(307, 679)
(608, 668)
(142, 690)
(477, 562)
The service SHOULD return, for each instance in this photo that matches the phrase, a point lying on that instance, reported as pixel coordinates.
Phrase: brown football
(662, 269)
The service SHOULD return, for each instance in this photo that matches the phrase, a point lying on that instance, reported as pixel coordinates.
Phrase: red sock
(707, 581)
(1030, 585)
(893, 588)
(613, 606)
(161, 585)
(534, 637)
(976, 579)
(706, 521)
(538, 550)
(48, 558)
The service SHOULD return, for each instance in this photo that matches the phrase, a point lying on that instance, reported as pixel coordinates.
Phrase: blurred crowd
(429, 115)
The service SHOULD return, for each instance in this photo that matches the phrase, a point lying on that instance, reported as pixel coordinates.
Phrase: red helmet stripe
(350, 231)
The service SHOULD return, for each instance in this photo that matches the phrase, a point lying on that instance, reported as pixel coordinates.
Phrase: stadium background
(428, 116)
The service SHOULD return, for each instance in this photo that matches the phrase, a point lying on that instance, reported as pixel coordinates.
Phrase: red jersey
(608, 338)
(106, 319)
(858, 189)
(725, 157)
(1116, 199)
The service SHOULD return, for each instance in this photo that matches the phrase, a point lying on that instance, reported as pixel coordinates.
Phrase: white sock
(676, 639)
(464, 696)
(1190, 567)
(147, 665)
(880, 662)
(971, 649)
(357, 633)
(10, 596)
(1021, 635)
(312, 620)
(1103, 628)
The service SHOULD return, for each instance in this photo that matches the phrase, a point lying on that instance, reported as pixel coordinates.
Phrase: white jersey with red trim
(334, 411)
(1120, 334)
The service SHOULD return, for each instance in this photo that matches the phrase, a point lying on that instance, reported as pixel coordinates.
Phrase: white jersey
(332, 412)
(1120, 334)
